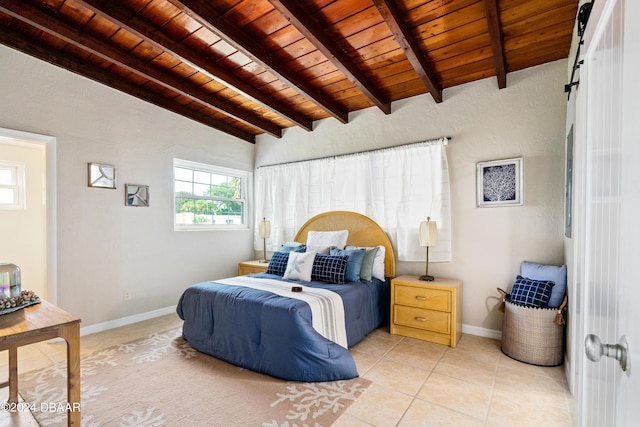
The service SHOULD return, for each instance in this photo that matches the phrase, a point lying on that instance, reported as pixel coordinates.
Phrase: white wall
(526, 119)
(103, 247)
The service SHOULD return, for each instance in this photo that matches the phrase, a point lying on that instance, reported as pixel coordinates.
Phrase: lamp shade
(264, 229)
(428, 234)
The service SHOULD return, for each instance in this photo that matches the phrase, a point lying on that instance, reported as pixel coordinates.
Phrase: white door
(609, 395)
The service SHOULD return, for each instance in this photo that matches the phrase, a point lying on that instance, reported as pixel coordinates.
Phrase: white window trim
(18, 187)
(243, 175)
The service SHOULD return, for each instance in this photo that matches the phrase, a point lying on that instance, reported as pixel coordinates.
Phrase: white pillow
(378, 264)
(328, 238)
(299, 266)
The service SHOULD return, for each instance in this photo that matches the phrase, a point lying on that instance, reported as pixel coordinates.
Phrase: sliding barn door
(609, 391)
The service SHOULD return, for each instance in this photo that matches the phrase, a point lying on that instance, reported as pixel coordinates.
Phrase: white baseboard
(482, 332)
(123, 321)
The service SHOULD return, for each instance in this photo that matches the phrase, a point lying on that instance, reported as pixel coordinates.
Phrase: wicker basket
(533, 335)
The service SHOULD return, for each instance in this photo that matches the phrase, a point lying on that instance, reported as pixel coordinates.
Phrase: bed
(257, 322)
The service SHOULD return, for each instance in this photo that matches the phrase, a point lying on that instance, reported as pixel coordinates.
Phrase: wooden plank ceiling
(248, 67)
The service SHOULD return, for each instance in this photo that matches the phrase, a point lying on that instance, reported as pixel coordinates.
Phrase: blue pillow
(556, 274)
(291, 247)
(354, 262)
(328, 268)
(278, 263)
(366, 272)
(531, 292)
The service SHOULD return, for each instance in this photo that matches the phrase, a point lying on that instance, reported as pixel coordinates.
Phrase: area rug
(161, 381)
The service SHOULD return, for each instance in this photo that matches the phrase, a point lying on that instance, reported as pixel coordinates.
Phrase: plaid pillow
(531, 292)
(278, 263)
(329, 268)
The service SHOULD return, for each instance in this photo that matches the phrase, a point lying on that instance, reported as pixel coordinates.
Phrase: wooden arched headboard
(363, 231)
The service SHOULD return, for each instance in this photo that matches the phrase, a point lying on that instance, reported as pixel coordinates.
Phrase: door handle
(594, 349)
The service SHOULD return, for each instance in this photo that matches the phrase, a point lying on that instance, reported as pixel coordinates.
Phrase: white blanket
(327, 309)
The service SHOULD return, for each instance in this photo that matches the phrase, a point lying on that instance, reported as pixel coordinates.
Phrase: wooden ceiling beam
(206, 15)
(497, 41)
(134, 24)
(392, 15)
(44, 22)
(66, 61)
(312, 31)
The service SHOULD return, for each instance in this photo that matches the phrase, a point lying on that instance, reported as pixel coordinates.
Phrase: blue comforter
(271, 334)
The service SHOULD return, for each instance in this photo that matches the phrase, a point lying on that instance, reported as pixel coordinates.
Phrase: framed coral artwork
(500, 183)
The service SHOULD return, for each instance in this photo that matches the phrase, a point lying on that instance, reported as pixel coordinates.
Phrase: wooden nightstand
(430, 311)
(252, 267)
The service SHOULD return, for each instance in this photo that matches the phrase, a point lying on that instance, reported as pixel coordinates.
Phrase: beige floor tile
(482, 349)
(417, 353)
(549, 371)
(472, 370)
(528, 409)
(545, 397)
(426, 414)
(461, 396)
(347, 420)
(379, 406)
(398, 376)
(377, 343)
(517, 380)
(364, 361)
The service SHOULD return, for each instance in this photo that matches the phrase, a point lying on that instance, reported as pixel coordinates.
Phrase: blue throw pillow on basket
(531, 292)
(556, 274)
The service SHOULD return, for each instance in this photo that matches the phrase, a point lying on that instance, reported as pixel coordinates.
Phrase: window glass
(209, 197)
(11, 185)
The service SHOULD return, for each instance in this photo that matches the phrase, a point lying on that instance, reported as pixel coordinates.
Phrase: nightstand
(252, 267)
(430, 311)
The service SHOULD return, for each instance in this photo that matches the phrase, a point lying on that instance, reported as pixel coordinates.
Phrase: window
(209, 197)
(11, 185)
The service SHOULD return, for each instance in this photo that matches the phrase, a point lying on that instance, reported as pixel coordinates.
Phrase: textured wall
(105, 248)
(525, 119)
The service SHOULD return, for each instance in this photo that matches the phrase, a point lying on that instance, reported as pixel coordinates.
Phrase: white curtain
(396, 187)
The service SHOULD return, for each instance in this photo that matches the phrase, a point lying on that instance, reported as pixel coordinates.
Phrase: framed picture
(137, 195)
(500, 183)
(102, 176)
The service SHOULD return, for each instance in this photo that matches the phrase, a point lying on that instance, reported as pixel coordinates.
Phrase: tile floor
(414, 383)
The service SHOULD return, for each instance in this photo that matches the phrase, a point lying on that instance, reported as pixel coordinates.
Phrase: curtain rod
(446, 138)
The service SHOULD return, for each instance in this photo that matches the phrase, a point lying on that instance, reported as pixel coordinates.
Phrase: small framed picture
(102, 176)
(137, 195)
(500, 183)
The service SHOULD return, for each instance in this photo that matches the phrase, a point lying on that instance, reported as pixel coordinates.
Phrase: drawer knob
(421, 298)
(420, 319)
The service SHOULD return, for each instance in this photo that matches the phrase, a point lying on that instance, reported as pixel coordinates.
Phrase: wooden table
(37, 323)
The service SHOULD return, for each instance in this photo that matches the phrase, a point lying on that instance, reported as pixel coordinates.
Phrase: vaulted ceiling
(248, 67)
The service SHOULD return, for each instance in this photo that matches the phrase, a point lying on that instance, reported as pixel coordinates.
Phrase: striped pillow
(531, 292)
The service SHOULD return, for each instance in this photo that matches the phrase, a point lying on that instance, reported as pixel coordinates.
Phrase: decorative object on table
(428, 236)
(264, 231)
(10, 281)
(11, 304)
(102, 176)
(12, 297)
(136, 195)
(500, 183)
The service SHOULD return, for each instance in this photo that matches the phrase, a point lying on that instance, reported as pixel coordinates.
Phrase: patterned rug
(161, 381)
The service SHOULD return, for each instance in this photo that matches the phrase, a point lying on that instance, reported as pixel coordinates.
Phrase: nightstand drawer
(433, 299)
(428, 320)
